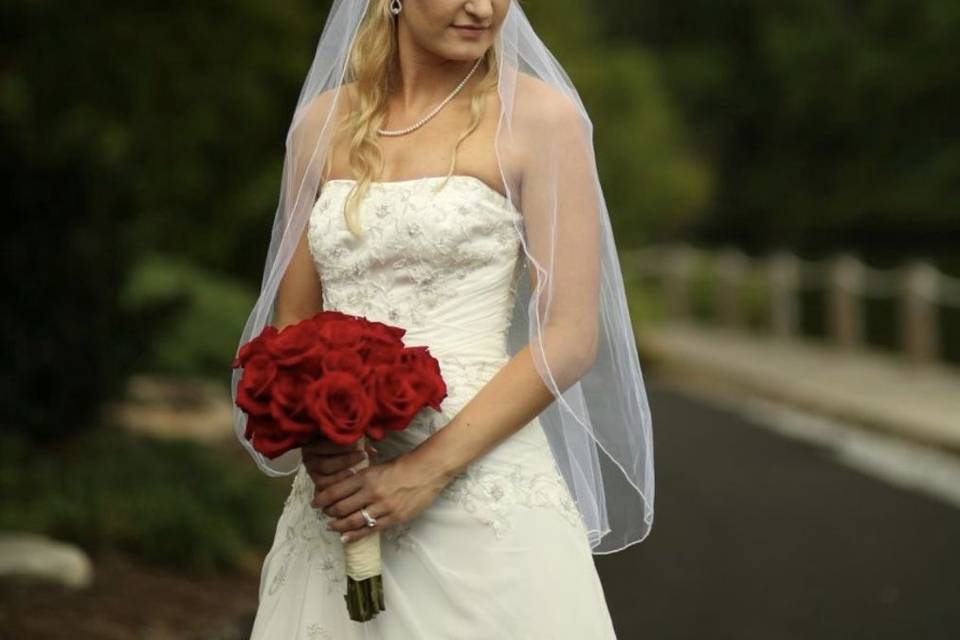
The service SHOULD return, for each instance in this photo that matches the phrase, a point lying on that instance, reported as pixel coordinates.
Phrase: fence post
(731, 264)
(919, 326)
(678, 269)
(783, 281)
(844, 306)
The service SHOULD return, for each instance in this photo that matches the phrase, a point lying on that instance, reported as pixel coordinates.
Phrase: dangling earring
(395, 7)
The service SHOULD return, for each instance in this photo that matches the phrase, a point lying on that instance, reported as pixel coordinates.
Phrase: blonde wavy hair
(373, 69)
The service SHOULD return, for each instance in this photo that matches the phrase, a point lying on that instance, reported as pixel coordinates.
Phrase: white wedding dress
(502, 554)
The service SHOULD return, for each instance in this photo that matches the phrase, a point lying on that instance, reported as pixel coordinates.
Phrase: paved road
(760, 537)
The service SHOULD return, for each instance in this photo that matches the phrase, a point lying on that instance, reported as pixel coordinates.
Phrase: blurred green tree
(128, 126)
(829, 124)
(656, 182)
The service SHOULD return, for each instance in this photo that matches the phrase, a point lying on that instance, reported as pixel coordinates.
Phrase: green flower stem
(364, 598)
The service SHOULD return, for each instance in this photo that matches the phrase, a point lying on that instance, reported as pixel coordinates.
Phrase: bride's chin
(466, 50)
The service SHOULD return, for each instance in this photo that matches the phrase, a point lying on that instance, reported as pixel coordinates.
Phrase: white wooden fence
(918, 288)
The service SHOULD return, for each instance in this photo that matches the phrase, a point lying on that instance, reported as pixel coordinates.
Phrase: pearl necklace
(425, 119)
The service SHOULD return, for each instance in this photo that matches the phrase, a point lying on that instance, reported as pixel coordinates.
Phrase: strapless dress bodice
(442, 264)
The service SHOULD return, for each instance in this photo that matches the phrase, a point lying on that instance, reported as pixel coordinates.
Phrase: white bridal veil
(575, 319)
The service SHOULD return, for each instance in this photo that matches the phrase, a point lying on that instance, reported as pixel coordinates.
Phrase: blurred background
(784, 184)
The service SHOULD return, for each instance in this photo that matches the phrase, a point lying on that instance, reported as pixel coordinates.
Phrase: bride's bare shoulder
(541, 107)
(544, 118)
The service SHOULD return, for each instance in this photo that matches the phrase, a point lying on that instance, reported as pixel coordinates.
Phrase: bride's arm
(299, 295)
(569, 235)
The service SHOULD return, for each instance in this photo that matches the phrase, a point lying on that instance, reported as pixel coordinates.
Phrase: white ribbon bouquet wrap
(571, 311)
(362, 561)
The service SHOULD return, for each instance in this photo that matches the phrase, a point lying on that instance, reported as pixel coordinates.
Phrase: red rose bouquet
(343, 377)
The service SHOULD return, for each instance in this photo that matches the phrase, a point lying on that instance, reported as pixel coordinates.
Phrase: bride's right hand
(327, 462)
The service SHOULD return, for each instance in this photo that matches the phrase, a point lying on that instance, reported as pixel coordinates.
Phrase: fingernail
(344, 537)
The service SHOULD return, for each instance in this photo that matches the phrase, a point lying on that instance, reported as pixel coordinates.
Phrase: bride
(440, 177)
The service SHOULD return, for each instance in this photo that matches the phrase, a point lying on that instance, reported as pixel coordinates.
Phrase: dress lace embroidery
(439, 249)
(399, 536)
(494, 495)
(304, 526)
(316, 632)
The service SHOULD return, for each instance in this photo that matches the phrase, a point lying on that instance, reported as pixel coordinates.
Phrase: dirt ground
(130, 600)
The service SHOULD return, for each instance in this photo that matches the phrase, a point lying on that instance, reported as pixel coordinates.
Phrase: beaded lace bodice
(423, 253)
(444, 265)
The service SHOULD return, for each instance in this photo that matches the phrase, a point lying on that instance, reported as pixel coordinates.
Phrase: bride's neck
(424, 80)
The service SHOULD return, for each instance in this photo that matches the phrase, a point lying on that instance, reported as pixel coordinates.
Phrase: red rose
(384, 353)
(295, 343)
(429, 380)
(264, 437)
(345, 333)
(287, 405)
(336, 375)
(253, 389)
(340, 404)
(312, 362)
(256, 425)
(379, 334)
(398, 396)
(254, 346)
(274, 443)
(346, 360)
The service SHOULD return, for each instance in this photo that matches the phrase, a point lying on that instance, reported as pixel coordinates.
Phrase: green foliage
(205, 313)
(179, 109)
(128, 127)
(645, 303)
(829, 124)
(63, 256)
(175, 503)
(655, 182)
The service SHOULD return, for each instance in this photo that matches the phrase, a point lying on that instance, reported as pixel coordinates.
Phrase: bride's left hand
(392, 492)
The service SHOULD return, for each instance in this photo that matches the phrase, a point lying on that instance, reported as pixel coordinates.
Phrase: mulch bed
(131, 600)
